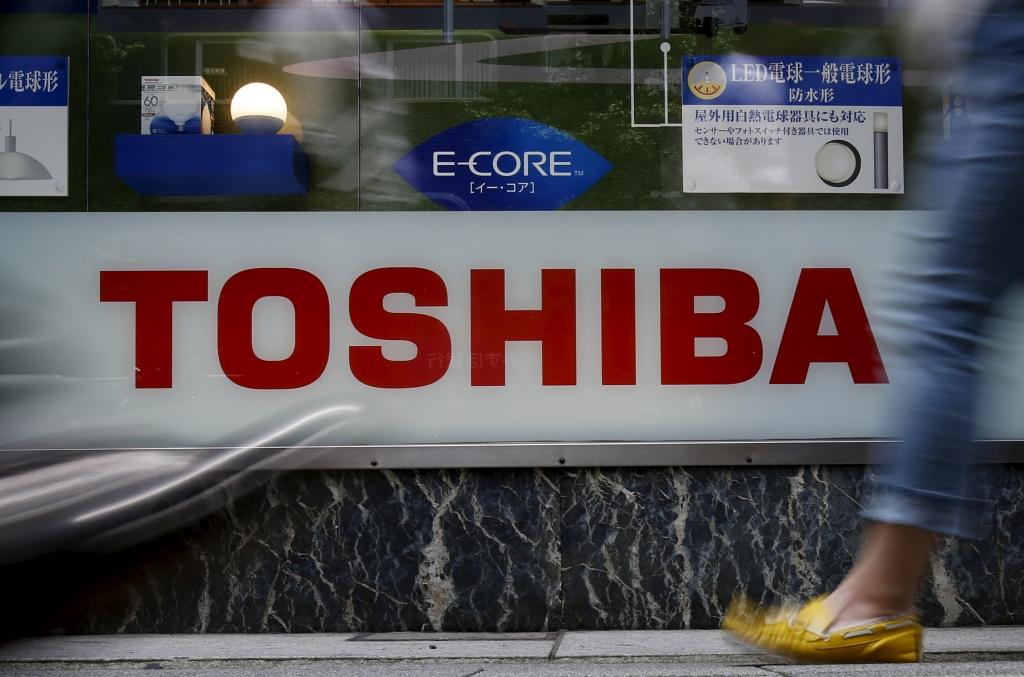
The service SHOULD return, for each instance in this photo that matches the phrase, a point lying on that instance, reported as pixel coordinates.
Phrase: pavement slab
(996, 651)
(91, 648)
(107, 648)
(414, 669)
(430, 669)
(634, 643)
(994, 639)
(957, 669)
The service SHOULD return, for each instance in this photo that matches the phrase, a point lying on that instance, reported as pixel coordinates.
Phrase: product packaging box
(176, 104)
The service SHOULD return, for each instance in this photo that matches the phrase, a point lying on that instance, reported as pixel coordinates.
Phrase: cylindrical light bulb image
(258, 108)
(881, 123)
(180, 105)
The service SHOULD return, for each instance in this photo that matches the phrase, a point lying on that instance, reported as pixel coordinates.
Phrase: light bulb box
(176, 104)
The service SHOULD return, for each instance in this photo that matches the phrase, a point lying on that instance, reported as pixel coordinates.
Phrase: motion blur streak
(216, 463)
(103, 500)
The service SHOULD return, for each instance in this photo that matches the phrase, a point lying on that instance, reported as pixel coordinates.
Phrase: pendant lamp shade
(18, 166)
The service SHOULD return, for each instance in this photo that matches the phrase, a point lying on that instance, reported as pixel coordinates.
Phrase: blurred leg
(924, 488)
(886, 577)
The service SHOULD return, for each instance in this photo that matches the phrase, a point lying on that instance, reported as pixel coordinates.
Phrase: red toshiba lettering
(153, 292)
(312, 328)
(681, 324)
(853, 342)
(554, 325)
(618, 327)
(433, 343)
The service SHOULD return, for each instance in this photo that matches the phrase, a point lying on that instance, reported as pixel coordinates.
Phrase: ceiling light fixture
(18, 166)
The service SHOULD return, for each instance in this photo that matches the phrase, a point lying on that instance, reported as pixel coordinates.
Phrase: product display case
(464, 315)
(635, 143)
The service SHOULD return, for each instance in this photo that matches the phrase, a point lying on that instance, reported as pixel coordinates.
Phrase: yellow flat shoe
(801, 634)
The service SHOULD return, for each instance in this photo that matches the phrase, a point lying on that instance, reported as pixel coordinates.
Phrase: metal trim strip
(570, 454)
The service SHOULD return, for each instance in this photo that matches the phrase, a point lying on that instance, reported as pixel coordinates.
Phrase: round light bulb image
(258, 108)
(707, 80)
(180, 105)
(837, 163)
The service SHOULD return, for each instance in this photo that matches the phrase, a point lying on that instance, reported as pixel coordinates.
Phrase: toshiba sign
(445, 328)
(493, 325)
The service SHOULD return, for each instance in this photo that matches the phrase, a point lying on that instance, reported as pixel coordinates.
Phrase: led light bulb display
(180, 105)
(258, 108)
(177, 104)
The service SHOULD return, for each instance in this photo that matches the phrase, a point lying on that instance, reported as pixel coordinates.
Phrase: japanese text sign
(792, 124)
(34, 124)
(33, 81)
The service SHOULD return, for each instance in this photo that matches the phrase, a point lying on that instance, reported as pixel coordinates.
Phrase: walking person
(924, 490)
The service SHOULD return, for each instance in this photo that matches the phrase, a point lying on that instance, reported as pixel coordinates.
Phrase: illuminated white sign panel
(792, 125)
(445, 328)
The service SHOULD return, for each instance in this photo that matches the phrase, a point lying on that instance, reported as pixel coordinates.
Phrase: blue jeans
(979, 254)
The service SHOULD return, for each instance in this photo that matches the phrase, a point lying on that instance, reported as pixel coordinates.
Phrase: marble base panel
(508, 551)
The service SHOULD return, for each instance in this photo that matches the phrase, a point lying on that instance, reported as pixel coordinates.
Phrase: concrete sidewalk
(949, 651)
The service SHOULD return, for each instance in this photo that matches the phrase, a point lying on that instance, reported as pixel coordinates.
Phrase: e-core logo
(502, 164)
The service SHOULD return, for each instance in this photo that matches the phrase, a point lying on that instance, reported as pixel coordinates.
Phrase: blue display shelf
(212, 164)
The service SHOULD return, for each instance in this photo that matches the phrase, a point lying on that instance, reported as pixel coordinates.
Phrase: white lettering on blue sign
(30, 81)
(795, 72)
(480, 166)
(526, 165)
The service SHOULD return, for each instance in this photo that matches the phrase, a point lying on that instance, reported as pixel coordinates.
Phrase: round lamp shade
(837, 163)
(258, 108)
(20, 166)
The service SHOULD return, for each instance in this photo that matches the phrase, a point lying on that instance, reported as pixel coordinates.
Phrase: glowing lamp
(258, 108)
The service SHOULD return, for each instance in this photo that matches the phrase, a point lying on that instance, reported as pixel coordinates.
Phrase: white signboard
(34, 125)
(792, 125)
(213, 329)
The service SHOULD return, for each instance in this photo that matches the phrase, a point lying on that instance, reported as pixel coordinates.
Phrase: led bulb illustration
(837, 163)
(18, 166)
(180, 105)
(258, 108)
